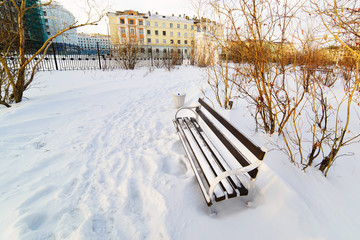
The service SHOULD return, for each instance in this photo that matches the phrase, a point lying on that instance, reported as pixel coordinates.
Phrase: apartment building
(160, 33)
(93, 40)
(164, 33)
(126, 26)
(57, 18)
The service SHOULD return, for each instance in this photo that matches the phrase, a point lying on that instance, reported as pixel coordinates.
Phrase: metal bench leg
(213, 211)
(250, 197)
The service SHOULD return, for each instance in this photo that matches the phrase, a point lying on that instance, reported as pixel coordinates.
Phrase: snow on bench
(224, 161)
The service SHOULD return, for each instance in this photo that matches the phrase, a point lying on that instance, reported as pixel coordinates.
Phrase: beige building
(160, 33)
(126, 26)
(169, 32)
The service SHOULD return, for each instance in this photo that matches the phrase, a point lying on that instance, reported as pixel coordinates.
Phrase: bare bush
(127, 54)
(261, 55)
(340, 18)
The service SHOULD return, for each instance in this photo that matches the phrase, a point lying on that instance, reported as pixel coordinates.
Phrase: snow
(94, 155)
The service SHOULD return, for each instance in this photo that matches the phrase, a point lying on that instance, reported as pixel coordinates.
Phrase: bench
(224, 161)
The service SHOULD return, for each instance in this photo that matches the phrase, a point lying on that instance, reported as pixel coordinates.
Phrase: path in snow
(98, 160)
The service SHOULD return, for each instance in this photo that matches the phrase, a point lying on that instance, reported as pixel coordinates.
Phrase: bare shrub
(127, 54)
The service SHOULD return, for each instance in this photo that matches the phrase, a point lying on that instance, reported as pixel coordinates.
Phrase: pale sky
(165, 7)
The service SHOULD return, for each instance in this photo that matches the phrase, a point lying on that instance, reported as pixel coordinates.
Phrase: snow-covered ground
(94, 155)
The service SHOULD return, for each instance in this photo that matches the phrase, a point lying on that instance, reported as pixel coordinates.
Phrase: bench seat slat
(234, 180)
(244, 140)
(199, 176)
(212, 162)
(201, 162)
(232, 149)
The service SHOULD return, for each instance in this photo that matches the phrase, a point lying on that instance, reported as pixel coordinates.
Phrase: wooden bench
(224, 161)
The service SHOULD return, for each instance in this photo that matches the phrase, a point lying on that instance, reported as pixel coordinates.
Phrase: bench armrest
(186, 108)
(238, 171)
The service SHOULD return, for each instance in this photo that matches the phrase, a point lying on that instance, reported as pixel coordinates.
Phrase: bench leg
(250, 197)
(213, 211)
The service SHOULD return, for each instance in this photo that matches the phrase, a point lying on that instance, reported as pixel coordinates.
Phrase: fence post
(98, 51)
(53, 48)
(152, 60)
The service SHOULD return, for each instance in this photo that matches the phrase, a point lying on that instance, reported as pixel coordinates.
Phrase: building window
(156, 24)
(185, 26)
(192, 27)
(164, 25)
(185, 34)
(179, 34)
(157, 50)
(164, 50)
(179, 42)
(149, 40)
(131, 21)
(148, 23)
(164, 33)
(132, 31)
(142, 50)
(171, 41)
(185, 42)
(185, 50)
(122, 21)
(157, 40)
(178, 26)
(148, 32)
(141, 40)
(171, 34)
(141, 31)
(156, 32)
(171, 25)
(141, 22)
(164, 41)
(123, 30)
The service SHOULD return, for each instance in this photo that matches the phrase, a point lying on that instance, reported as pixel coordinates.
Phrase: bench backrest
(253, 148)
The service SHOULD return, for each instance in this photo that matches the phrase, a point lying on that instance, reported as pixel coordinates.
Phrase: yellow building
(168, 32)
(157, 32)
(126, 26)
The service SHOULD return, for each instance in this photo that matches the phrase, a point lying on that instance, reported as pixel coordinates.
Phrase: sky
(165, 7)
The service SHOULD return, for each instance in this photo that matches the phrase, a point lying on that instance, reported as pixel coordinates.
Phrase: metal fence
(72, 57)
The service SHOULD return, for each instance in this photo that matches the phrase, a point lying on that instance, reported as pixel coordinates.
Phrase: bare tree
(19, 79)
(171, 58)
(341, 19)
(256, 37)
(128, 54)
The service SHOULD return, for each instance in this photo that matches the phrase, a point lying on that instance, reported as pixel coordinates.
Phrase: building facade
(57, 18)
(34, 27)
(93, 41)
(161, 34)
(127, 26)
(166, 33)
